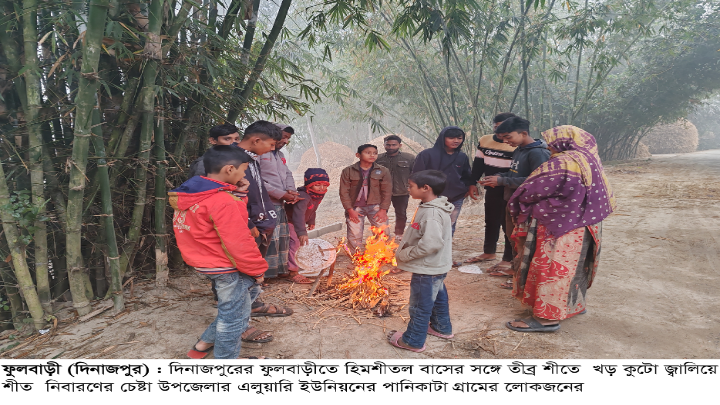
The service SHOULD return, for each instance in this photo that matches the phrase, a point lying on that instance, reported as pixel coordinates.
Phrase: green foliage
(25, 213)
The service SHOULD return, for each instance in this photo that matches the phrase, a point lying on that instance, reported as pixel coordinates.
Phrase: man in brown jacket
(400, 165)
(365, 191)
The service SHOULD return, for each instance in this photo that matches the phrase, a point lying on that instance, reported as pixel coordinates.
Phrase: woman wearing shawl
(559, 211)
(302, 213)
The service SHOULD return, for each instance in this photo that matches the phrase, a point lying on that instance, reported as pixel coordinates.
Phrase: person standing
(400, 165)
(365, 191)
(529, 154)
(280, 185)
(447, 156)
(559, 211)
(493, 157)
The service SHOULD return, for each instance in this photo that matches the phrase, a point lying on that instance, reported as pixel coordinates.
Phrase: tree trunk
(11, 290)
(85, 102)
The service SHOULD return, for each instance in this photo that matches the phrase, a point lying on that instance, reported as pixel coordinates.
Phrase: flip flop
(533, 326)
(507, 286)
(279, 311)
(194, 353)
(477, 259)
(433, 332)
(500, 271)
(251, 337)
(395, 338)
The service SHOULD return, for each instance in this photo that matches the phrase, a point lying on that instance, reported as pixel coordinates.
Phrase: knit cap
(316, 175)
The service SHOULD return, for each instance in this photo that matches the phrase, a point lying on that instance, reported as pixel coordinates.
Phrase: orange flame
(365, 284)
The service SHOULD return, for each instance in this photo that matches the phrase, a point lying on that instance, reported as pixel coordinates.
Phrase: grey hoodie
(525, 160)
(426, 246)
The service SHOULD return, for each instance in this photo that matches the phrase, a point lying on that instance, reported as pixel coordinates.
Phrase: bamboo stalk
(32, 114)
(108, 218)
(17, 252)
(162, 273)
(147, 109)
(13, 295)
(85, 101)
(261, 60)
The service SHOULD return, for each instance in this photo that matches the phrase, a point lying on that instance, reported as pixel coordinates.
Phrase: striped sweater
(492, 157)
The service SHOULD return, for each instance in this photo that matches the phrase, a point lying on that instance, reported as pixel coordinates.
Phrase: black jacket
(456, 166)
(525, 160)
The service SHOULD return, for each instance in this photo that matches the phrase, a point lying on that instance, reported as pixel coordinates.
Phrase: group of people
(240, 219)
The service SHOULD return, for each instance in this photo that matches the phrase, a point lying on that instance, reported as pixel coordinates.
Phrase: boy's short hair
(222, 130)
(392, 138)
(433, 178)
(263, 129)
(220, 156)
(513, 124)
(364, 146)
(502, 117)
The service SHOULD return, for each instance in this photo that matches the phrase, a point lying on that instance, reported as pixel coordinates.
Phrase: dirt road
(655, 295)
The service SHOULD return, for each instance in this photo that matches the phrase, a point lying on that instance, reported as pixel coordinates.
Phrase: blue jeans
(236, 292)
(428, 305)
(355, 231)
(456, 213)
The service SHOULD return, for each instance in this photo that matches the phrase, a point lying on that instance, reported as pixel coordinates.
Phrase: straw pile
(334, 156)
(678, 137)
(409, 146)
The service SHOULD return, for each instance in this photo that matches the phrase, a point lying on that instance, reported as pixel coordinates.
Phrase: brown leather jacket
(379, 189)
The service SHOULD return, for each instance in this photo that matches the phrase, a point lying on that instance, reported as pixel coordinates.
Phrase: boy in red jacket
(210, 225)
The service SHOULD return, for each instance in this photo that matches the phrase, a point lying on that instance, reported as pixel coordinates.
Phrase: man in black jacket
(446, 155)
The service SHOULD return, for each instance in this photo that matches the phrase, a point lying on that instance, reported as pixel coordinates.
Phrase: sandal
(533, 326)
(395, 337)
(252, 337)
(478, 259)
(264, 310)
(433, 332)
(507, 285)
(194, 353)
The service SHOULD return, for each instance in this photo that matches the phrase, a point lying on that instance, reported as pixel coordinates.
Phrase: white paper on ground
(470, 269)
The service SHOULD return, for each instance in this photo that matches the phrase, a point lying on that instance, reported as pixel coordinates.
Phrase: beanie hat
(316, 175)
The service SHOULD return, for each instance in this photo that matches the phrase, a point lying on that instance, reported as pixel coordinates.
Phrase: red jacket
(211, 230)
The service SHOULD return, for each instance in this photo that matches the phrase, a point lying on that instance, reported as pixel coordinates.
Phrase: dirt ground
(654, 295)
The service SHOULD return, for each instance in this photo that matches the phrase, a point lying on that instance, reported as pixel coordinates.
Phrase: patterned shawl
(568, 191)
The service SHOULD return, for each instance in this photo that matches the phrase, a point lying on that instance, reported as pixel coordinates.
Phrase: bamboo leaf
(44, 37)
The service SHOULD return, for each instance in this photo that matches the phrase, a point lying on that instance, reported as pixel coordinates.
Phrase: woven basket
(314, 257)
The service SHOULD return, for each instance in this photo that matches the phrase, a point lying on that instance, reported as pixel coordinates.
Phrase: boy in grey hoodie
(426, 251)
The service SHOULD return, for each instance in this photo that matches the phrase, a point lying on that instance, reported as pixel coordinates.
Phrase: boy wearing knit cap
(303, 212)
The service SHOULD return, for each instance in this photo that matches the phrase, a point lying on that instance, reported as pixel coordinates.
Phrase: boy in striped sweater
(493, 157)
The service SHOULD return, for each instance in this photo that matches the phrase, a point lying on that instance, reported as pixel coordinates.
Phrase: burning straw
(365, 286)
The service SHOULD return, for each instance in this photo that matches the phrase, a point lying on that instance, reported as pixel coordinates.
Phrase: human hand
(473, 192)
(304, 240)
(255, 232)
(243, 185)
(381, 216)
(353, 216)
(490, 181)
(260, 279)
(311, 227)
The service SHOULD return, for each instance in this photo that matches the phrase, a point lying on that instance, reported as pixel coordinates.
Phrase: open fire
(364, 285)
